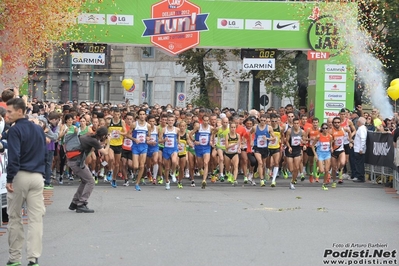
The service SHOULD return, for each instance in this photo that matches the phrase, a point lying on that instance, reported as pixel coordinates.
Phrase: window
(146, 95)
(179, 88)
(243, 95)
(148, 52)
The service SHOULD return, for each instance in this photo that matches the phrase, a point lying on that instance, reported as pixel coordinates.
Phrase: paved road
(221, 225)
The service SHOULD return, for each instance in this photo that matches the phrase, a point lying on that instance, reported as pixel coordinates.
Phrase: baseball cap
(222, 115)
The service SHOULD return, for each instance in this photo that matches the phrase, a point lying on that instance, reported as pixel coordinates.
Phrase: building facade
(157, 77)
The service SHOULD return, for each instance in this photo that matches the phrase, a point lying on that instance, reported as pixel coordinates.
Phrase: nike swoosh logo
(284, 26)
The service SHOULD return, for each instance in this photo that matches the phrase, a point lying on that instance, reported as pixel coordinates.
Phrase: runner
(221, 134)
(140, 134)
(182, 153)
(202, 142)
(338, 154)
(295, 137)
(126, 156)
(153, 150)
(275, 147)
(322, 149)
(263, 134)
(116, 128)
(311, 135)
(348, 139)
(170, 139)
(232, 149)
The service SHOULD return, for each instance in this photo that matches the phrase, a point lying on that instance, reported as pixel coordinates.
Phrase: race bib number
(203, 139)
(115, 134)
(273, 142)
(324, 146)
(339, 141)
(233, 149)
(181, 147)
(295, 141)
(170, 142)
(153, 139)
(127, 142)
(261, 142)
(141, 137)
(222, 142)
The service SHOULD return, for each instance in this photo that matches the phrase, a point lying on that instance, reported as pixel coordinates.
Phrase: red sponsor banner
(315, 55)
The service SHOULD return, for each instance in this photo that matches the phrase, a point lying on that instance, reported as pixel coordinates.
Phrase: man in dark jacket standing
(25, 170)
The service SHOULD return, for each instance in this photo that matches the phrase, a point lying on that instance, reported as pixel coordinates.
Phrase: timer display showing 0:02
(96, 49)
(267, 54)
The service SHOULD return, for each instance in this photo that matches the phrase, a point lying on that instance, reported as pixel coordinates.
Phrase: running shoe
(340, 181)
(334, 185)
(109, 176)
(235, 183)
(317, 180)
(167, 185)
(262, 183)
(113, 183)
(154, 181)
(230, 178)
(245, 180)
(192, 183)
(203, 184)
(196, 173)
(216, 171)
(324, 187)
(292, 186)
(120, 175)
(302, 177)
(60, 181)
(285, 173)
(253, 182)
(137, 187)
(311, 179)
(256, 175)
(221, 178)
(71, 178)
(273, 184)
(173, 177)
(340, 174)
(179, 185)
(187, 173)
(48, 186)
(126, 184)
(201, 172)
(213, 178)
(13, 263)
(250, 176)
(160, 181)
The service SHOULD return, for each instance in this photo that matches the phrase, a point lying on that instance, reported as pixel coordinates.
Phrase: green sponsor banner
(222, 24)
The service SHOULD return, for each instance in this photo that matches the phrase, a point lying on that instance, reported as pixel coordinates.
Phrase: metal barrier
(382, 174)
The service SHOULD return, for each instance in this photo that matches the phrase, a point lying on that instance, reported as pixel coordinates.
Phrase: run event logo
(175, 25)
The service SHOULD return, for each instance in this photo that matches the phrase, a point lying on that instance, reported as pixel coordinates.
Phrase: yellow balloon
(393, 92)
(127, 83)
(394, 82)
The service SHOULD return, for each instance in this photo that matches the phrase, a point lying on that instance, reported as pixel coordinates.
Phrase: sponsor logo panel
(335, 77)
(290, 25)
(257, 24)
(334, 86)
(232, 24)
(335, 68)
(259, 64)
(334, 105)
(125, 20)
(337, 96)
(88, 18)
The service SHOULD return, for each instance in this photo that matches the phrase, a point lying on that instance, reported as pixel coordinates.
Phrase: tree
(198, 61)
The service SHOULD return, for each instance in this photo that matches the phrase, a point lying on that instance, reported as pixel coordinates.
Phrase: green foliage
(198, 61)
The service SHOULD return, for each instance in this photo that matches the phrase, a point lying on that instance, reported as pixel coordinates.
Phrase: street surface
(221, 225)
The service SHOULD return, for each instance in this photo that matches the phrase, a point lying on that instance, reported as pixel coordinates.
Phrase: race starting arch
(178, 25)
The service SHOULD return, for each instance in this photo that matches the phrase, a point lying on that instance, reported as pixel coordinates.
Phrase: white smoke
(369, 69)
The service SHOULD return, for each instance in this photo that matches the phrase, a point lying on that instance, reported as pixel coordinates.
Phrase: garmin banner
(380, 149)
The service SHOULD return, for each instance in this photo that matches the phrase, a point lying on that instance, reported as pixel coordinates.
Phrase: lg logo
(116, 18)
